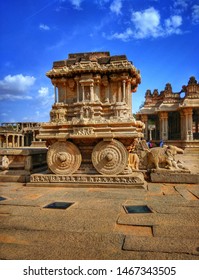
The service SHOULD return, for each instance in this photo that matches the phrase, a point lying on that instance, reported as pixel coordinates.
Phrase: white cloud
(45, 96)
(116, 6)
(43, 91)
(44, 27)
(181, 4)
(195, 14)
(15, 87)
(13, 97)
(172, 25)
(76, 4)
(146, 23)
(125, 36)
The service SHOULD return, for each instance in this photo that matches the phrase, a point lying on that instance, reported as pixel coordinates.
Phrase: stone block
(161, 244)
(168, 176)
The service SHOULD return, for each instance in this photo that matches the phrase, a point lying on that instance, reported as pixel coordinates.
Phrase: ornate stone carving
(86, 112)
(48, 178)
(93, 102)
(109, 158)
(63, 158)
(5, 163)
(82, 130)
(163, 156)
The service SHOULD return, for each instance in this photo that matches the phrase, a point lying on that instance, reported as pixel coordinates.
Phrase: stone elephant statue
(163, 157)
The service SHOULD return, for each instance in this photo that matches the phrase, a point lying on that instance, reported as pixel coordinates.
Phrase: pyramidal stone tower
(91, 123)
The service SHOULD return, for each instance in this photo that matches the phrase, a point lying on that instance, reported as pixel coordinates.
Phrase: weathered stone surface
(21, 163)
(89, 229)
(186, 193)
(184, 231)
(168, 176)
(161, 244)
(190, 219)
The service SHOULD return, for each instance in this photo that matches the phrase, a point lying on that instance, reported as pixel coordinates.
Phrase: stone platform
(173, 176)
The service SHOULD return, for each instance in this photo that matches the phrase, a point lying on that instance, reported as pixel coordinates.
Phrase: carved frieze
(50, 178)
(83, 130)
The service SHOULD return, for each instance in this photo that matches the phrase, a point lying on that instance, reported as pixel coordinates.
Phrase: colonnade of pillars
(13, 141)
(186, 122)
(123, 88)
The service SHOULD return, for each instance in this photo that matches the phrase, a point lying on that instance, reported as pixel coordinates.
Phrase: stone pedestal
(170, 176)
(22, 163)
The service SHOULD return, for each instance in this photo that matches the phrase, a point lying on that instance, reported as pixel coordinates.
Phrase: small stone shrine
(91, 124)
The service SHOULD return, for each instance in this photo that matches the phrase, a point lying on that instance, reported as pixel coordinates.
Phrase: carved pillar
(124, 91)
(83, 93)
(163, 125)
(119, 90)
(144, 119)
(65, 90)
(55, 93)
(77, 83)
(97, 80)
(129, 96)
(6, 140)
(22, 141)
(182, 125)
(97, 91)
(18, 140)
(92, 92)
(166, 126)
(188, 123)
(107, 98)
(105, 83)
(13, 141)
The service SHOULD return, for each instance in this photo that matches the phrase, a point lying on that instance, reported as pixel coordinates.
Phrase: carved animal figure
(5, 163)
(133, 161)
(164, 156)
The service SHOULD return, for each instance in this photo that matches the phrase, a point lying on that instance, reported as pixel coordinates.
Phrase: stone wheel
(109, 158)
(63, 158)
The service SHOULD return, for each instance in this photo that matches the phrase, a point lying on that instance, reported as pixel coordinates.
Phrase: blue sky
(161, 38)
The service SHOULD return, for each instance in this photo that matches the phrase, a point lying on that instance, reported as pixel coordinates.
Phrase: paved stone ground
(96, 226)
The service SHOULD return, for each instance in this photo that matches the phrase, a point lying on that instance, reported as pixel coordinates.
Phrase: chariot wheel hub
(109, 158)
(63, 158)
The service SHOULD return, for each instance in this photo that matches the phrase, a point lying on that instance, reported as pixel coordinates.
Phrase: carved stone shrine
(91, 123)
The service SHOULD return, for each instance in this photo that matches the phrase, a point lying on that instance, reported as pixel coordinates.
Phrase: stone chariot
(91, 123)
